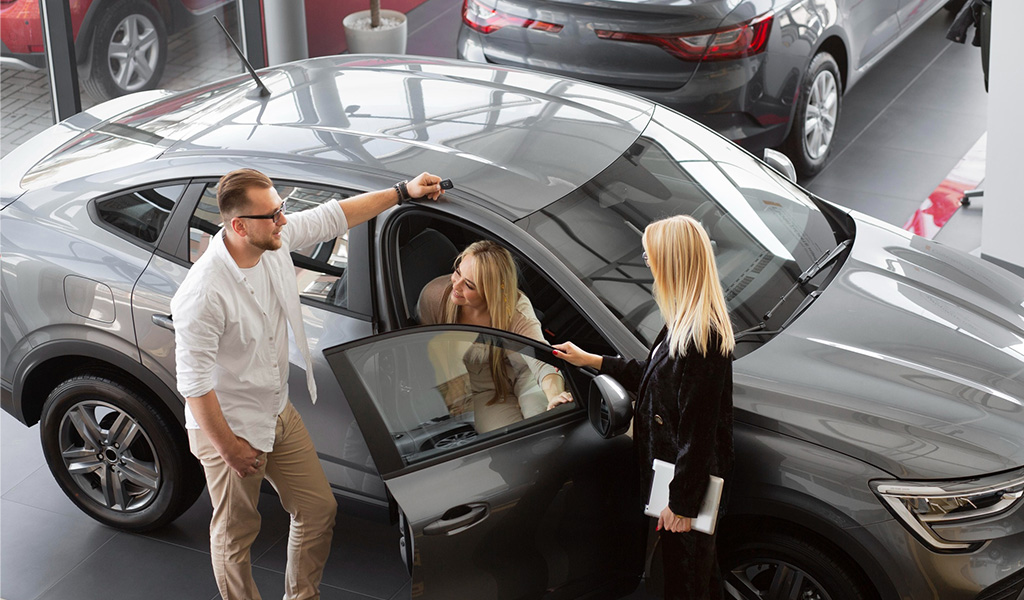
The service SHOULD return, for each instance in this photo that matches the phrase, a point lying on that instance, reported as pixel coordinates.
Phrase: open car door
(499, 499)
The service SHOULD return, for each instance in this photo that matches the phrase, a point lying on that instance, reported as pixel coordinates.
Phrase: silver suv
(879, 423)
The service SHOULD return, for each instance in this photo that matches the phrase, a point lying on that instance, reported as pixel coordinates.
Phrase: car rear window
(140, 214)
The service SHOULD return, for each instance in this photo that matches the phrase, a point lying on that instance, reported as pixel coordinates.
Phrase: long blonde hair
(686, 285)
(497, 282)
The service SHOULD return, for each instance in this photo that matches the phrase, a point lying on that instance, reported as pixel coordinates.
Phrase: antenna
(259, 82)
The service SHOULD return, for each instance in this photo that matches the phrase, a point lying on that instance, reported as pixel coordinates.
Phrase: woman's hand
(670, 521)
(572, 354)
(563, 398)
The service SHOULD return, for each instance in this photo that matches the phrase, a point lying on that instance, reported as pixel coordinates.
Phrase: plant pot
(362, 39)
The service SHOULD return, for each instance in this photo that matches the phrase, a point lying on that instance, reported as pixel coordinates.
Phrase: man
(231, 317)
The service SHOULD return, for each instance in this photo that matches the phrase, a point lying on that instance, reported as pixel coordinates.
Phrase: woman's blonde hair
(497, 282)
(686, 285)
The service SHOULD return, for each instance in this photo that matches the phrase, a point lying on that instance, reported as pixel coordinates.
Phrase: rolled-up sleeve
(198, 326)
(325, 222)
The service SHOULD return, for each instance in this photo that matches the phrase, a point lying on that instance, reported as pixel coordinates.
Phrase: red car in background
(121, 45)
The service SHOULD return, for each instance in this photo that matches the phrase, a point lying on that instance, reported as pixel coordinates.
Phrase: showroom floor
(903, 129)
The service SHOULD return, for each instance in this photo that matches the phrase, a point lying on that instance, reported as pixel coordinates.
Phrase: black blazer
(683, 415)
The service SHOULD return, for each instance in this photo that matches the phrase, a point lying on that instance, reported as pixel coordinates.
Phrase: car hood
(911, 360)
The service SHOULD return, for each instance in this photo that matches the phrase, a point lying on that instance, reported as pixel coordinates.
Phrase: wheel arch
(836, 46)
(788, 511)
(48, 365)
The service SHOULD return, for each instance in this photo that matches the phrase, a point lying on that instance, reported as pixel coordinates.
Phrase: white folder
(706, 519)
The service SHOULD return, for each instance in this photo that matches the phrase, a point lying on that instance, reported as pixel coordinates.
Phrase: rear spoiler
(20, 160)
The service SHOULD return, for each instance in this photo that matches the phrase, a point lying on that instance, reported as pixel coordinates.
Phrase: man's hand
(425, 185)
(242, 458)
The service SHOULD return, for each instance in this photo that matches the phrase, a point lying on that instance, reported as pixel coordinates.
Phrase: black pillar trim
(1017, 270)
(59, 43)
(250, 17)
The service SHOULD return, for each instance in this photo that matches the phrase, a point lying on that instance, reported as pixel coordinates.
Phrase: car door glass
(142, 213)
(320, 268)
(435, 391)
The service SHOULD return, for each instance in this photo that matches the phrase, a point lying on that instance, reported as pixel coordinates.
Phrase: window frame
(175, 246)
(378, 436)
(392, 268)
(94, 211)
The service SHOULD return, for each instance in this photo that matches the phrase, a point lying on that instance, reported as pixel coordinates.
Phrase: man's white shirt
(226, 340)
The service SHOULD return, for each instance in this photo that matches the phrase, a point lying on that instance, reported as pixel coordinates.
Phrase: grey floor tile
(885, 171)
(947, 89)
(20, 452)
(271, 585)
(925, 130)
(38, 548)
(434, 27)
(364, 558)
(40, 490)
(137, 567)
(890, 209)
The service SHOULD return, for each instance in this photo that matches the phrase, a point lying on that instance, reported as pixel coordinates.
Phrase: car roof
(514, 139)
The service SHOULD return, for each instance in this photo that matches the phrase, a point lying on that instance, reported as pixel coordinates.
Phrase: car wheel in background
(121, 461)
(812, 134)
(129, 50)
(786, 565)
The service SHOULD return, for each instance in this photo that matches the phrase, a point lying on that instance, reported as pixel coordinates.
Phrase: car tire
(793, 566)
(123, 462)
(128, 50)
(812, 134)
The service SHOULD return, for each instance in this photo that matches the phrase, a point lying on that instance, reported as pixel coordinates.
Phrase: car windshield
(765, 230)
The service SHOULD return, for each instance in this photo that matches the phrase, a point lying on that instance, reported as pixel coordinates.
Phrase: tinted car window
(320, 268)
(765, 231)
(434, 391)
(141, 214)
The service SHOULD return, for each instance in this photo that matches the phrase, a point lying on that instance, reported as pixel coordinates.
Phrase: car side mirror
(781, 163)
(609, 407)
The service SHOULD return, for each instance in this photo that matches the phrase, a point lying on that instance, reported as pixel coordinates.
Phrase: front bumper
(993, 572)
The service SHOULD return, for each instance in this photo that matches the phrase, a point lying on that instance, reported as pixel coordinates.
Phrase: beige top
(473, 370)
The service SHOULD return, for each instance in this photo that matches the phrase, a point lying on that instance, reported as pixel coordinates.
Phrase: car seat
(428, 254)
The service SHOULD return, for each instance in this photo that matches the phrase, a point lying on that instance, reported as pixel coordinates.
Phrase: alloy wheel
(820, 118)
(109, 456)
(774, 580)
(133, 52)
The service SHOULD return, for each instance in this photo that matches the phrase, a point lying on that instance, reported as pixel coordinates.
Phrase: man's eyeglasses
(276, 215)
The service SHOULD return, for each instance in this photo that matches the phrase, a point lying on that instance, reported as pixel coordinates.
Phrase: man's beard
(268, 243)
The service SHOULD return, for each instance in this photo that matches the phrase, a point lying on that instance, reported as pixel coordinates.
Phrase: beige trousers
(294, 470)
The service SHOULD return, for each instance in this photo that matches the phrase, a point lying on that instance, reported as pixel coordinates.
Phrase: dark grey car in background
(879, 422)
(763, 73)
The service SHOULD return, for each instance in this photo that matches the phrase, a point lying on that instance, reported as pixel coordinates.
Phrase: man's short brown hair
(233, 190)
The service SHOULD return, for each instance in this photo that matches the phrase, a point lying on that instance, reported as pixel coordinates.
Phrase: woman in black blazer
(683, 411)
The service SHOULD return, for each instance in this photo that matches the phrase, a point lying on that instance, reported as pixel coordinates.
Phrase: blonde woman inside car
(501, 388)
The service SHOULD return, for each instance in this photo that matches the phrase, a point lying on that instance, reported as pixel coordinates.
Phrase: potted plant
(375, 31)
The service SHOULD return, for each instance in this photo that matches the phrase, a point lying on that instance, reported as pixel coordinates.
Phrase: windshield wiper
(809, 273)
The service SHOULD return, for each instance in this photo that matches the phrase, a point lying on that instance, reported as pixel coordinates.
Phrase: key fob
(446, 184)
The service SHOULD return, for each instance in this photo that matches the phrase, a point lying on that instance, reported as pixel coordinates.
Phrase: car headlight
(929, 508)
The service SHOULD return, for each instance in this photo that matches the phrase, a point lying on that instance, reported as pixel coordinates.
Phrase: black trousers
(691, 566)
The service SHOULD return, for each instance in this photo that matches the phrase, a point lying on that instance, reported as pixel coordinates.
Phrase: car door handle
(165, 321)
(458, 519)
